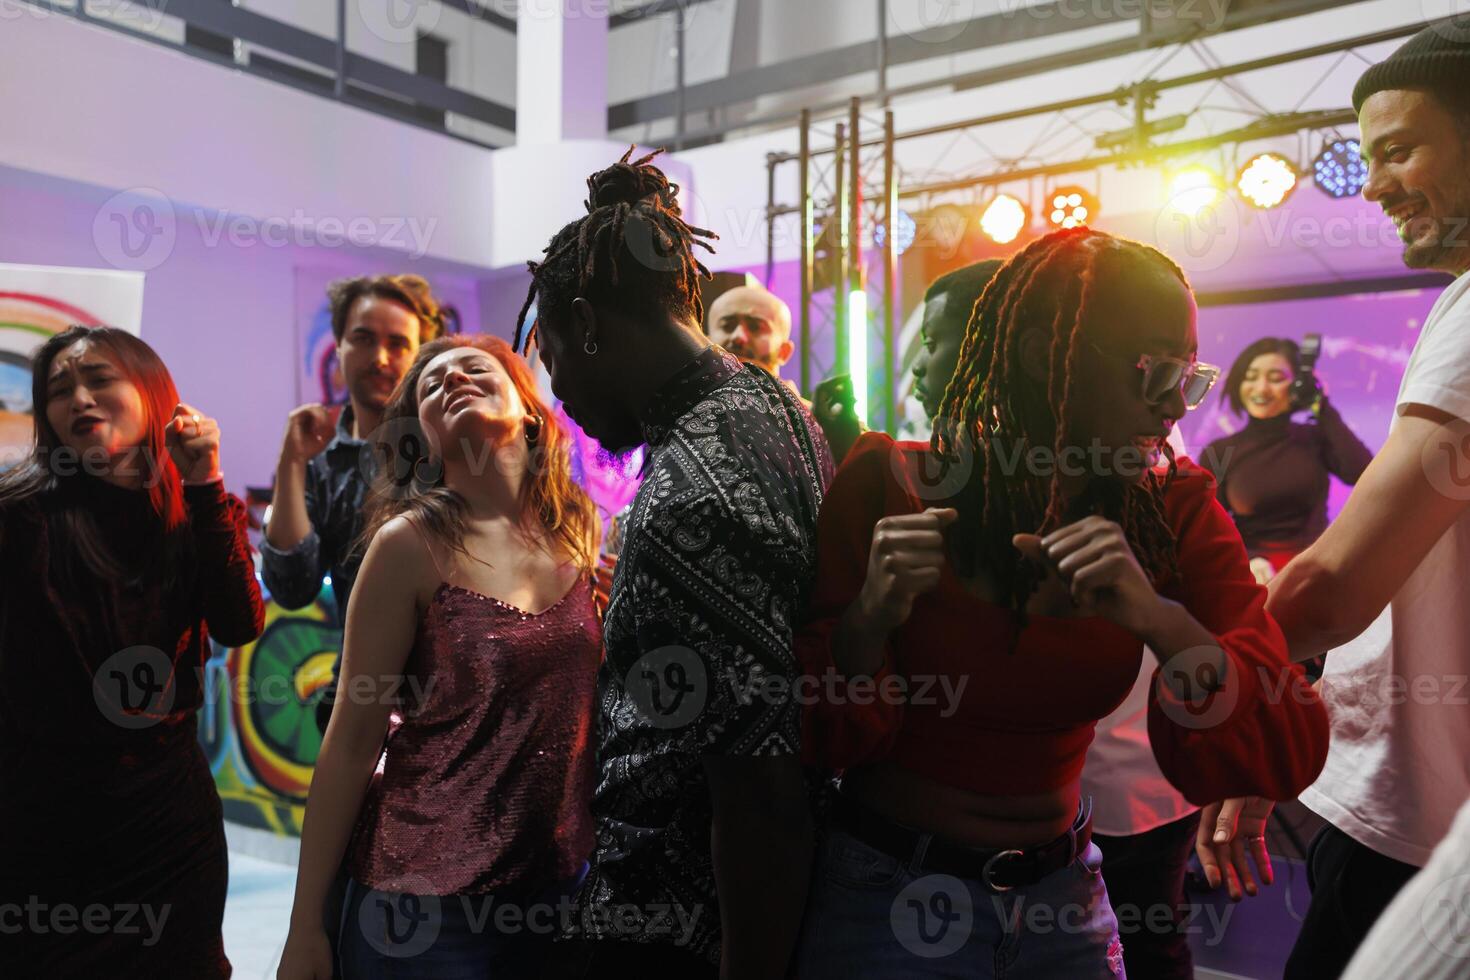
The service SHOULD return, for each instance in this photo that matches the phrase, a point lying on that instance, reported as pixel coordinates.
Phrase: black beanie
(1438, 57)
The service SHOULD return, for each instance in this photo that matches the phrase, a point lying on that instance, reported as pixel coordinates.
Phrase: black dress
(1272, 478)
(111, 837)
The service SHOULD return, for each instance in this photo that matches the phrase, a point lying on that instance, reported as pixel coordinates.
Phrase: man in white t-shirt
(1387, 588)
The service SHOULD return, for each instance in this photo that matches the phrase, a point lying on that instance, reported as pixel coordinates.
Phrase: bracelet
(217, 478)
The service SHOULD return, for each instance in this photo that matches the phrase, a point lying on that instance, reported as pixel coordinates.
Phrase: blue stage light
(907, 231)
(1339, 170)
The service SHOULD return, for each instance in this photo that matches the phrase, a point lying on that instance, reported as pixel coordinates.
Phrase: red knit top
(958, 702)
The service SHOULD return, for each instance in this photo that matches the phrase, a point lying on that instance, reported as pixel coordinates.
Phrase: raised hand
(308, 430)
(192, 440)
(904, 561)
(1094, 559)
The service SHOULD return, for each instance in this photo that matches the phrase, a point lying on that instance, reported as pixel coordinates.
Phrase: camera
(1306, 393)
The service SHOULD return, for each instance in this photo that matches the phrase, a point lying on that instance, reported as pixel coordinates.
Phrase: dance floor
(1248, 941)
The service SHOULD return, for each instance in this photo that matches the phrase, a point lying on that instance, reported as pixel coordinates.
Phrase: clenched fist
(905, 561)
(308, 430)
(192, 440)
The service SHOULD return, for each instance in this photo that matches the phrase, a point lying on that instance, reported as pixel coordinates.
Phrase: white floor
(257, 912)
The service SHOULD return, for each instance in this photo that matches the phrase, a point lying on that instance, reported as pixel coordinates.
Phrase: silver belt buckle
(990, 866)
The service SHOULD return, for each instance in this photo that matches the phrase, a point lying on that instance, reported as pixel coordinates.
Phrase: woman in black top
(121, 557)
(1272, 475)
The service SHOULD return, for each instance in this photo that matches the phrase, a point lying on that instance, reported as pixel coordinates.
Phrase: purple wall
(1366, 340)
(221, 316)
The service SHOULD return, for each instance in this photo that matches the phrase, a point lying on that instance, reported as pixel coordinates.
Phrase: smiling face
(1147, 312)
(1265, 391)
(1418, 159)
(379, 341)
(935, 365)
(91, 405)
(465, 396)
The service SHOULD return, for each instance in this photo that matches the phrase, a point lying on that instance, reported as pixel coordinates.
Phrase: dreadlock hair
(990, 403)
(632, 214)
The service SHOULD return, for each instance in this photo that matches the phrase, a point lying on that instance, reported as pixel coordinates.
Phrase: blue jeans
(873, 915)
(395, 936)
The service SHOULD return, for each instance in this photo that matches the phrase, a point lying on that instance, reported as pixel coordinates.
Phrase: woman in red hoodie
(983, 599)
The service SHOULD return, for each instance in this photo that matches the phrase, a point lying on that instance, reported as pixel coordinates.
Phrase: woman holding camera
(1272, 475)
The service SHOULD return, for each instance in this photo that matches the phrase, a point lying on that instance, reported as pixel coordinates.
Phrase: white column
(561, 71)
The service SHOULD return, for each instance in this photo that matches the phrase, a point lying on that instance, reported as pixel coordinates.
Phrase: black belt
(999, 869)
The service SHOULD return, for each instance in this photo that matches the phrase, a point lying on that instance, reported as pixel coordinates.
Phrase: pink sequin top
(487, 781)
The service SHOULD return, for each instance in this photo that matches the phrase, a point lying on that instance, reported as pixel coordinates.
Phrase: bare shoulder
(399, 553)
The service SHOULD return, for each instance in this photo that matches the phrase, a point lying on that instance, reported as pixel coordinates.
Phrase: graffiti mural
(258, 726)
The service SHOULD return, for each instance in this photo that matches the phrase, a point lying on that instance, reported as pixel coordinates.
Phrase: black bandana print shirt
(716, 567)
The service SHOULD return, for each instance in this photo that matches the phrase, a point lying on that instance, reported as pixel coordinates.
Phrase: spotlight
(1267, 180)
(1071, 206)
(908, 229)
(1003, 219)
(1340, 170)
(1193, 189)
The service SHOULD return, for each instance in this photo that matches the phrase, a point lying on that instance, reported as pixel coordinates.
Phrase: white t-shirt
(1129, 792)
(1398, 766)
(1422, 932)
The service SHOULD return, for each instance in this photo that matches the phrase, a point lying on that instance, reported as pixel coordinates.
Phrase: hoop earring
(531, 426)
(589, 347)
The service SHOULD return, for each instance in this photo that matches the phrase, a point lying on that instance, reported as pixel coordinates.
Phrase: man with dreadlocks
(703, 831)
(1019, 563)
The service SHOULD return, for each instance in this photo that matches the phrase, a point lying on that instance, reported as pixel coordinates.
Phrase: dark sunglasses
(1164, 375)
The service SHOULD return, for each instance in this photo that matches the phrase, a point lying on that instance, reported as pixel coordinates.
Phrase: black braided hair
(631, 252)
(1047, 285)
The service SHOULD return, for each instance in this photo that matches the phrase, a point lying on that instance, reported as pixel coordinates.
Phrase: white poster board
(37, 302)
